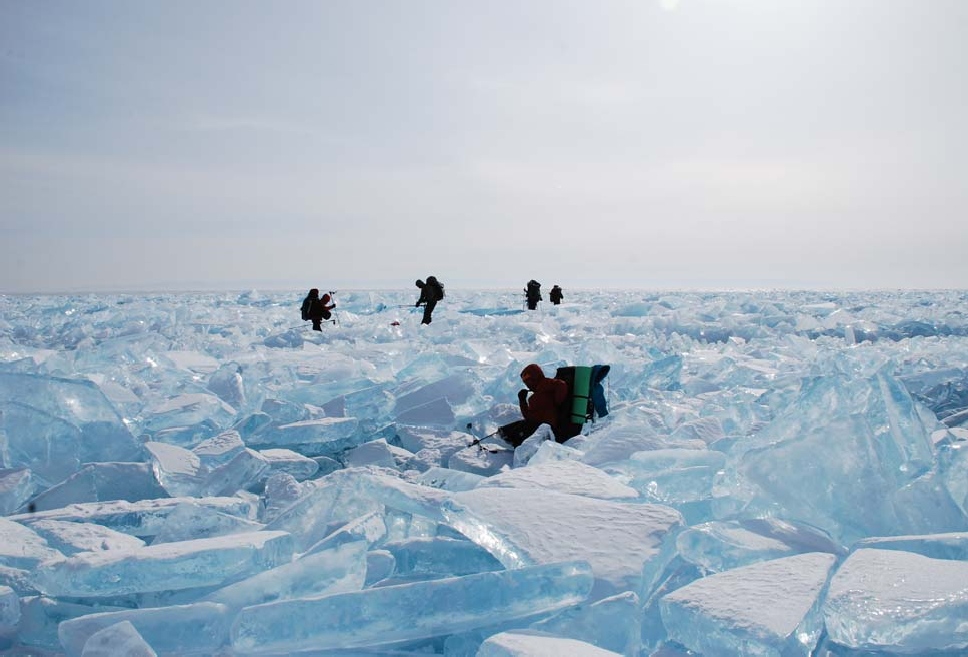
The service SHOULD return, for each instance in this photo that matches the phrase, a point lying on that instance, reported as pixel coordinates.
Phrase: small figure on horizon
(316, 309)
(532, 294)
(555, 295)
(430, 293)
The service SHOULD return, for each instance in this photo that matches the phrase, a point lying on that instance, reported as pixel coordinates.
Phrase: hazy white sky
(654, 143)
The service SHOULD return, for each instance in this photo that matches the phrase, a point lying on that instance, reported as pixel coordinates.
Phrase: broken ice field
(780, 473)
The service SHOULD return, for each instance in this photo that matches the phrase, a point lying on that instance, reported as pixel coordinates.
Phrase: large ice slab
(177, 469)
(529, 643)
(767, 608)
(165, 567)
(293, 463)
(72, 537)
(326, 436)
(187, 409)
(339, 570)
(936, 546)
(143, 519)
(191, 520)
(196, 629)
(21, 547)
(103, 435)
(899, 602)
(440, 557)
(571, 477)
(405, 612)
(102, 482)
(611, 623)
(40, 618)
(16, 487)
(9, 609)
(724, 545)
(118, 640)
(521, 527)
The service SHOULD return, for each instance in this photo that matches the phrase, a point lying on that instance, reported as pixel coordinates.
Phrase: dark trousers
(428, 310)
(319, 320)
(532, 304)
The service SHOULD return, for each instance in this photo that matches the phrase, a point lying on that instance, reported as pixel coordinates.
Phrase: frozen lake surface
(780, 473)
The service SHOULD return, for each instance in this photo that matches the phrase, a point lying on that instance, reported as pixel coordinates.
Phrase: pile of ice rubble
(781, 474)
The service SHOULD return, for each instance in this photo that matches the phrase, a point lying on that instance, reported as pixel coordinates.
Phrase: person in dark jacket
(543, 406)
(555, 295)
(430, 293)
(532, 294)
(316, 309)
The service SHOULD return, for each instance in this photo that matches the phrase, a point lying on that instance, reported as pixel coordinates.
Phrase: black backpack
(438, 288)
(307, 304)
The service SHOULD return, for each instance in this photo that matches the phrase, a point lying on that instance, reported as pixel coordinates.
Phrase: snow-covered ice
(200, 474)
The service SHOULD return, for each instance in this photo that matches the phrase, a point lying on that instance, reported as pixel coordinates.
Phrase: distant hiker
(544, 406)
(532, 294)
(316, 309)
(555, 295)
(430, 293)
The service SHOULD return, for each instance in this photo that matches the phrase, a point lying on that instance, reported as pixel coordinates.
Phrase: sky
(361, 143)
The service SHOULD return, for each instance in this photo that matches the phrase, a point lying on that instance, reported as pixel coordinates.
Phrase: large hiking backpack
(438, 287)
(306, 305)
(585, 399)
(534, 290)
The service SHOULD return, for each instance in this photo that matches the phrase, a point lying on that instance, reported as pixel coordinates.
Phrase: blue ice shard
(17, 579)
(227, 383)
(219, 450)
(165, 567)
(49, 446)
(118, 640)
(200, 628)
(719, 546)
(187, 409)
(333, 501)
(937, 546)
(626, 544)
(102, 482)
(245, 470)
(767, 608)
(339, 570)
(41, 616)
(673, 476)
(143, 519)
(177, 469)
(190, 520)
(72, 537)
(103, 435)
(16, 487)
(530, 643)
(9, 609)
(380, 564)
(326, 436)
(410, 611)
(370, 529)
(285, 460)
(898, 602)
(21, 547)
(440, 557)
(612, 623)
(401, 495)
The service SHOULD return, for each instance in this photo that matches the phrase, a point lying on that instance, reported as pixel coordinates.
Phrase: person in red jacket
(543, 406)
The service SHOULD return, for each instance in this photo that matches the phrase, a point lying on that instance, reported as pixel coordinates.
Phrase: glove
(416, 305)
(522, 395)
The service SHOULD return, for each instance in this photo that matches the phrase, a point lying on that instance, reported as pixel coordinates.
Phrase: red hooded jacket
(546, 399)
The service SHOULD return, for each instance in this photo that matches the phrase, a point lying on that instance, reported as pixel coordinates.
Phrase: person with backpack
(532, 294)
(430, 293)
(316, 309)
(555, 295)
(544, 406)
